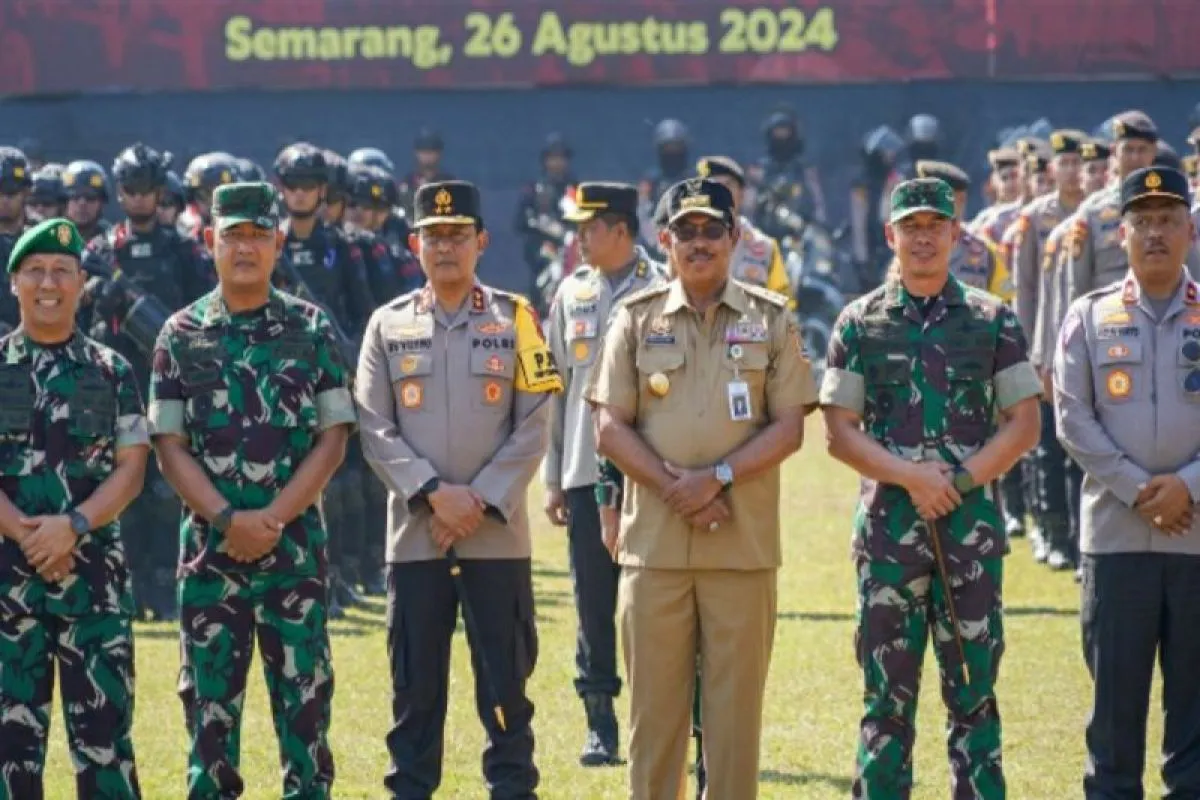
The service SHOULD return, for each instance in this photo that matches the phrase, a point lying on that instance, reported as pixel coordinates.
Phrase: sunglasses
(711, 231)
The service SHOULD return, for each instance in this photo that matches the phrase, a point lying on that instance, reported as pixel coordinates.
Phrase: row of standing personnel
(143, 270)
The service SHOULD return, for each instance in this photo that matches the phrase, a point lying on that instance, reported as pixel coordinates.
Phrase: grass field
(813, 699)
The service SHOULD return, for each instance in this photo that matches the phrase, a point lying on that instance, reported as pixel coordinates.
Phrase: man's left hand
(49, 541)
(692, 490)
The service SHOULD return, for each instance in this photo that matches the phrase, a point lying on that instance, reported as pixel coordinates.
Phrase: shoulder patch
(645, 294)
(775, 298)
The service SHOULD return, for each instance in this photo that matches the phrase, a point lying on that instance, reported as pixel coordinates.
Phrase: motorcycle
(816, 266)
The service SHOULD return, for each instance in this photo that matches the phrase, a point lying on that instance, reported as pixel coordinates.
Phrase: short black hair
(630, 220)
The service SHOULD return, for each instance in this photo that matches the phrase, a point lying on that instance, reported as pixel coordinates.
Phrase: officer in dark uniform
(671, 146)
(15, 181)
(385, 281)
(172, 201)
(47, 196)
(539, 217)
(783, 175)
(203, 175)
(427, 155)
(321, 265)
(142, 272)
(87, 192)
(371, 206)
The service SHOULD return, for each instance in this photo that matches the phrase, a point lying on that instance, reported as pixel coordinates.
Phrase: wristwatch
(723, 473)
(79, 523)
(223, 519)
(963, 480)
(429, 487)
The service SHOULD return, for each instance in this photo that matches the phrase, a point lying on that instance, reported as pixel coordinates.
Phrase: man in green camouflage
(250, 412)
(917, 371)
(73, 450)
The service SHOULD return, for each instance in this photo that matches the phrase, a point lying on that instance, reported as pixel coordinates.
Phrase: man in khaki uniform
(615, 268)
(1005, 184)
(757, 258)
(453, 385)
(699, 541)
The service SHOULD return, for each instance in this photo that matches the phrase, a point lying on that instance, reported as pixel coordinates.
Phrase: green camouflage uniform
(928, 387)
(251, 392)
(65, 411)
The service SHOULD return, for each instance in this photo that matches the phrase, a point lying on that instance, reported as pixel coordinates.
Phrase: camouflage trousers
(221, 614)
(898, 605)
(95, 663)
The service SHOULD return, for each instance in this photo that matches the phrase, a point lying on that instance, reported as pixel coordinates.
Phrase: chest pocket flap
(1124, 352)
(651, 360)
(16, 398)
(414, 364)
(969, 364)
(93, 407)
(493, 363)
(886, 369)
(293, 346)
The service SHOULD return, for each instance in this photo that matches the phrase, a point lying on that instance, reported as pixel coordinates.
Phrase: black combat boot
(600, 749)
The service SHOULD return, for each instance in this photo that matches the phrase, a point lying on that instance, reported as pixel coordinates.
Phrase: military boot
(1058, 549)
(375, 582)
(600, 749)
(343, 592)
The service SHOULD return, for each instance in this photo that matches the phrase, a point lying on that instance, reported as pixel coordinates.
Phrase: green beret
(56, 235)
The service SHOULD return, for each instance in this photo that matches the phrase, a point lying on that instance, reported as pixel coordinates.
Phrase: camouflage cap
(922, 194)
(55, 235)
(235, 203)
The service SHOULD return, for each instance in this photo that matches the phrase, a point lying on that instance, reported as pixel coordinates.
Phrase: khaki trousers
(665, 615)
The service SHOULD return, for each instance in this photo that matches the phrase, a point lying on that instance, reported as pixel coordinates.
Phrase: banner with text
(56, 46)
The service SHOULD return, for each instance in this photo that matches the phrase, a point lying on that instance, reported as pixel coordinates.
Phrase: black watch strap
(79, 523)
(429, 487)
(223, 519)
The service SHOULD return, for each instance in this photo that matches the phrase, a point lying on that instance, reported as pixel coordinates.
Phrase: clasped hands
(457, 512)
(696, 496)
(930, 485)
(49, 545)
(1165, 502)
(252, 534)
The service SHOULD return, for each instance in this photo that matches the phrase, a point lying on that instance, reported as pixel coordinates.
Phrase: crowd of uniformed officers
(658, 402)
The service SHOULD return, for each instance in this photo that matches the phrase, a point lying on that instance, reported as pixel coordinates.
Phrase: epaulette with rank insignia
(775, 298)
(645, 294)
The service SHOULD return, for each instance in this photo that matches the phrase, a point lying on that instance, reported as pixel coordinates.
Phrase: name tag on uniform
(739, 401)
(746, 331)
(141, 250)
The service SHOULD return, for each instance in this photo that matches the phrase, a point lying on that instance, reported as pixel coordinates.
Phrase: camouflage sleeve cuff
(1016, 383)
(335, 407)
(131, 431)
(844, 389)
(166, 417)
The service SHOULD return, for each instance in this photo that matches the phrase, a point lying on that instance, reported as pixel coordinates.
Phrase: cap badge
(443, 203)
(703, 169)
(1153, 181)
(64, 235)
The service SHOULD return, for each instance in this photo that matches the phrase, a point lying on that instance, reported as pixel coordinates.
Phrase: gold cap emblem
(702, 168)
(96, 181)
(64, 235)
(443, 203)
(1153, 181)
(1057, 141)
(18, 172)
(376, 191)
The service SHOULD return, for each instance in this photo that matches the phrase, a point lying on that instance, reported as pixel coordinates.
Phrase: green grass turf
(813, 701)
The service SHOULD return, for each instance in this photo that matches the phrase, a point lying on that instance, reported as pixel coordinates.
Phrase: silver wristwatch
(723, 473)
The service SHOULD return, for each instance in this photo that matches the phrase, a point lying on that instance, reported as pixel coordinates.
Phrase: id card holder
(739, 401)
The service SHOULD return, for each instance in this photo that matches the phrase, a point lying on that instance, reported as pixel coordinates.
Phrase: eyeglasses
(57, 275)
(712, 231)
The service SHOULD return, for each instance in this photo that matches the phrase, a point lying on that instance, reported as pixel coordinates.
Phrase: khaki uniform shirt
(578, 320)
(1053, 292)
(1127, 405)
(749, 333)
(1025, 242)
(462, 397)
